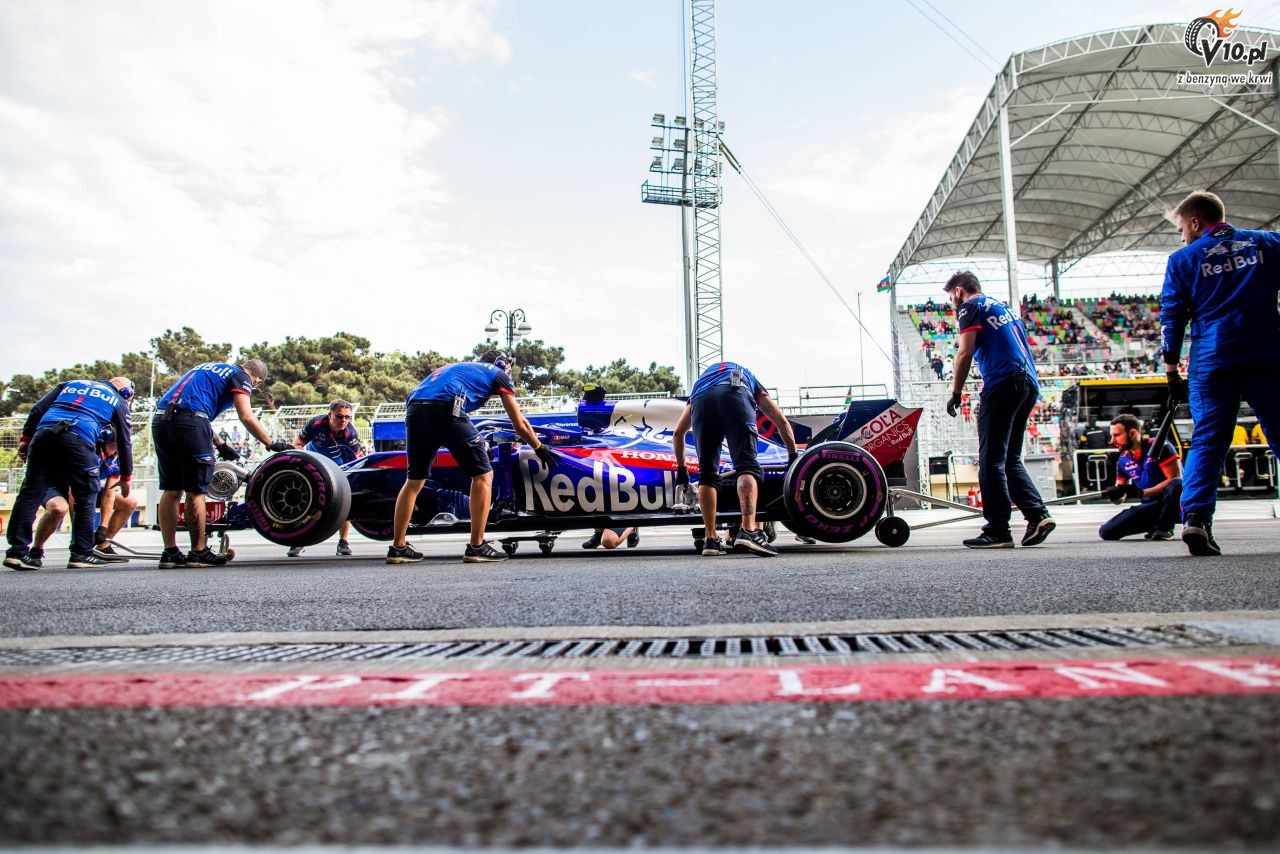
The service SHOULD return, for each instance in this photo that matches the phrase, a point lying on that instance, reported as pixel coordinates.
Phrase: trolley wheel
(893, 531)
(545, 546)
(510, 546)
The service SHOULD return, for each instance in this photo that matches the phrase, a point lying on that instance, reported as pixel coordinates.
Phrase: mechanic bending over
(991, 333)
(182, 430)
(1224, 282)
(722, 407)
(438, 414)
(1152, 475)
(334, 436)
(61, 454)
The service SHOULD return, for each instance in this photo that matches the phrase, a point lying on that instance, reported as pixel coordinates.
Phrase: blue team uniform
(1001, 350)
(723, 411)
(341, 447)
(433, 417)
(476, 382)
(722, 373)
(1224, 284)
(182, 430)
(208, 389)
(1156, 512)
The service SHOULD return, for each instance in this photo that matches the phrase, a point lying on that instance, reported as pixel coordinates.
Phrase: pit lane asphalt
(660, 583)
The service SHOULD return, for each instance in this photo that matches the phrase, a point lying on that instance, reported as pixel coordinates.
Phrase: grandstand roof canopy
(1104, 139)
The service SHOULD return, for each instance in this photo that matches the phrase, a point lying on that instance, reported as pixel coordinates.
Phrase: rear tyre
(834, 492)
(297, 498)
(375, 531)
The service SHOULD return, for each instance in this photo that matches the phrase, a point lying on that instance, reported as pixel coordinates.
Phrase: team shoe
(89, 561)
(33, 559)
(1160, 534)
(808, 541)
(592, 542)
(713, 546)
(754, 541)
(633, 539)
(1197, 533)
(483, 553)
(107, 553)
(13, 559)
(344, 549)
(206, 557)
(403, 554)
(987, 541)
(172, 559)
(1038, 530)
(294, 551)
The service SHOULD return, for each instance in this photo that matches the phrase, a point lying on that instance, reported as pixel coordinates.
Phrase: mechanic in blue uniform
(991, 333)
(333, 435)
(722, 409)
(1153, 476)
(114, 508)
(1224, 282)
(437, 414)
(182, 430)
(59, 444)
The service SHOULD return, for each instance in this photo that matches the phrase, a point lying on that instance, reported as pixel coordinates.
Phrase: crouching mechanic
(61, 455)
(182, 430)
(1153, 476)
(334, 436)
(437, 414)
(1224, 282)
(114, 508)
(722, 408)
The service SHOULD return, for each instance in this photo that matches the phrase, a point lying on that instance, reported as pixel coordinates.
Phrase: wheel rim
(838, 490)
(288, 497)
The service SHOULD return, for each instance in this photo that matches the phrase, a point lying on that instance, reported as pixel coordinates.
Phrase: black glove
(1115, 494)
(1121, 491)
(279, 445)
(546, 456)
(1132, 490)
(1177, 386)
(682, 476)
(953, 405)
(228, 453)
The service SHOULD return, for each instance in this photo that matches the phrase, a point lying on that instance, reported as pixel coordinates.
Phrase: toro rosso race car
(616, 468)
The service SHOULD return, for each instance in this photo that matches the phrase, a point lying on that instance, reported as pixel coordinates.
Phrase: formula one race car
(616, 468)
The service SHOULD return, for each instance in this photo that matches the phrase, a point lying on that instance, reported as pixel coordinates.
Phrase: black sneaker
(294, 551)
(633, 539)
(1161, 534)
(1038, 530)
(344, 549)
(713, 546)
(89, 561)
(755, 542)
(206, 557)
(483, 553)
(1197, 533)
(13, 560)
(104, 551)
(33, 559)
(592, 542)
(987, 541)
(403, 554)
(172, 559)
(808, 541)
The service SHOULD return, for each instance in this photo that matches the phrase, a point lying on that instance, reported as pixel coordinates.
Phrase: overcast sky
(398, 169)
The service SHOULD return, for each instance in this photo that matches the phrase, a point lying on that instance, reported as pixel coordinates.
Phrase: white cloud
(644, 78)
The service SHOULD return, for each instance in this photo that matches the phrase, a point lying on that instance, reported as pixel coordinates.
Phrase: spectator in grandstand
(1224, 281)
(184, 442)
(114, 509)
(937, 365)
(333, 435)
(1151, 475)
(722, 410)
(611, 538)
(59, 446)
(437, 415)
(995, 337)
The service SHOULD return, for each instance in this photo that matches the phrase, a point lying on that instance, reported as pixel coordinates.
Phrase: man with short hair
(184, 442)
(1151, 475)
(722, 408)
(438, 414)
(992, 334)
(1224, 282)
(333, 435)
(59, 445)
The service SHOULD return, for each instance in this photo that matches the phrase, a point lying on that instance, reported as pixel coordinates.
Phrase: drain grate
(650, 648)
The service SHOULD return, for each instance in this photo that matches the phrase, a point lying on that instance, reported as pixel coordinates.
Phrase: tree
(182, 350)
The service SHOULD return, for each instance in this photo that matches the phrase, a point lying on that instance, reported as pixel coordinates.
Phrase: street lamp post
(516, 322)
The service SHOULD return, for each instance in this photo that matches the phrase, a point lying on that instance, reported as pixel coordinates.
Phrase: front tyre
(297, 498)
(834, 492)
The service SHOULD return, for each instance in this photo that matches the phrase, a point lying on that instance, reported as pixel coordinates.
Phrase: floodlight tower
(688, 164)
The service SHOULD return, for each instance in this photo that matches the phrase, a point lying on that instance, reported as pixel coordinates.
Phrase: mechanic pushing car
(992, 334)
(1151, 475)
(333, 435)
(62, 454)
(437, 414)
(182, 430)
(1224, 282)
(722, 408)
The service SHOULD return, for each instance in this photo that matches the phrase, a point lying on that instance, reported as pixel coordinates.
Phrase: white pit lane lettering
(543, 684)
(422, 687)
(1104, 675)
(303, 683)
(1253, 674)
(790, 685)
(945, 681)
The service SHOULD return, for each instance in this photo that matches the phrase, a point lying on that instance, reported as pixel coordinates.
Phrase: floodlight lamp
(680, 122)
(656, 142)
(659, 119)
